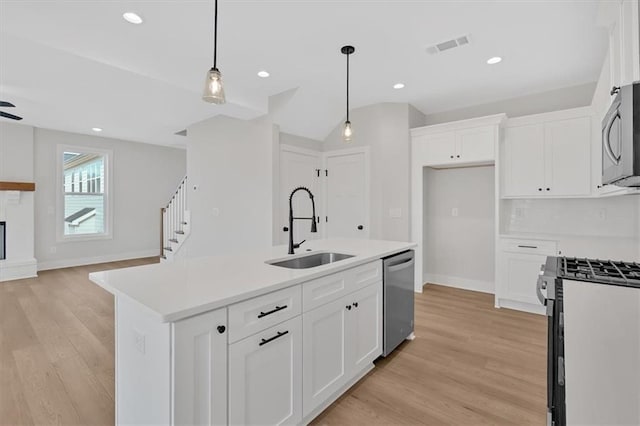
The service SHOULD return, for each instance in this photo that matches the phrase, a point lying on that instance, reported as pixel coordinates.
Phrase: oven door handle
(541, 285)
(607, 139)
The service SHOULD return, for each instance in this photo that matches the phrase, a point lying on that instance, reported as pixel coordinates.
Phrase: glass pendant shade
(347, 132)
(213, 88)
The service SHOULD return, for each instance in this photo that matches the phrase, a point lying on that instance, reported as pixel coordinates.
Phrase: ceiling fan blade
(6, 104)
(11, 116)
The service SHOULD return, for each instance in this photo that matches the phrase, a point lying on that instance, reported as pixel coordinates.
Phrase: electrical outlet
(139, 341)
(602, 214)
(454, 212)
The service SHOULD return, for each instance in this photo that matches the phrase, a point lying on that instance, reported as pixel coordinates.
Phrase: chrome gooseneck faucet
(293, 245)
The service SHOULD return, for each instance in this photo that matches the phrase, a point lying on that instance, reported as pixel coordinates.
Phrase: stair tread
(173, 240)
(168, 249)
(179, 232)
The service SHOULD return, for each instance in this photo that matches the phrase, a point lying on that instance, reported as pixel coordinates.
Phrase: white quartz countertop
(172, 291)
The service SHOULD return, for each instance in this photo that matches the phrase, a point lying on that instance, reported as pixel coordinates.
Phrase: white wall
(459, 250)
(144, 178)
(16, 165)
(300, 142)
(385, 129)
(230, 163)
(553, 100)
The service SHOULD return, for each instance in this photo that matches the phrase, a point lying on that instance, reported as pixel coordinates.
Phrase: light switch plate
(139, 341)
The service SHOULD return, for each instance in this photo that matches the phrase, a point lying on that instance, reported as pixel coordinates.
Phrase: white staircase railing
(175, 219)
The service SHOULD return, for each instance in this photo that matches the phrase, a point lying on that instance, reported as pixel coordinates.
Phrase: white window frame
(108, 204)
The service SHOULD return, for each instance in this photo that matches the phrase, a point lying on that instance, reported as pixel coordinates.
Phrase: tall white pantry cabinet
(279, 358)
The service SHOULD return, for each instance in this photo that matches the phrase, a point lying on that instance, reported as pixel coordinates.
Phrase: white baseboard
(521, 306)
(462, 283)
(68, 263)
(18, 269)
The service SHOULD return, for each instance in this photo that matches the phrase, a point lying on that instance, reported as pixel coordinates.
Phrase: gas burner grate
(607, 270)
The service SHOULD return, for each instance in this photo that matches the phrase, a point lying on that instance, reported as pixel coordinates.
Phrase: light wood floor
(469, 365)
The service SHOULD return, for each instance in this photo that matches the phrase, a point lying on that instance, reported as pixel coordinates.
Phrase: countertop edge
(217, 304)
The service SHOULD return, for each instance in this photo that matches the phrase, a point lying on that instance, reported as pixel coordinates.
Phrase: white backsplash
(598, 217)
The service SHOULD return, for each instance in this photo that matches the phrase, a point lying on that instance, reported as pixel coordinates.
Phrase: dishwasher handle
(401, 265)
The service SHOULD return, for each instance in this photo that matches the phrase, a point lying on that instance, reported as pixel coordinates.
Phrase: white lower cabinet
(265, 376)
(519, 263)
(341, 339)
(200, 369)
(324, 352)
(287, 368)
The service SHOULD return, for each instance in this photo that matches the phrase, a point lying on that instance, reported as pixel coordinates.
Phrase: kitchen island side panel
(143, 366)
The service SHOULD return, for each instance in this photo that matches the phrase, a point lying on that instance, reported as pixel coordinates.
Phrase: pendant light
(347, 132)
(213, 88)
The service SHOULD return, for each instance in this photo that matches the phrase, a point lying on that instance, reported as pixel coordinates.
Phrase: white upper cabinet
(475, 145)
(524, 160)
(622, 20)
(568, 157)
(548, 155)
(457, 144)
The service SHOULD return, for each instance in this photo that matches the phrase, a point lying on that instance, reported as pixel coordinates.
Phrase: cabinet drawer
(326, 289)
(259, 313)
(547, 248)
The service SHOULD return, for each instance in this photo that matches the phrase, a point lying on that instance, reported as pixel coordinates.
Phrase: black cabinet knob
(457, 156)
(548, 189)
(355, 304)
(360, 227)
(285, 229)
(348, 307)
(221, 329)
(452, 156)
(539, 189)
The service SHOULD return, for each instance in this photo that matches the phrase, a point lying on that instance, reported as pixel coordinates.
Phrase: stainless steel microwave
(621, 138)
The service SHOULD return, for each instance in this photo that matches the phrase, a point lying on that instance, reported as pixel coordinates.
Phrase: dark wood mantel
(17, 186)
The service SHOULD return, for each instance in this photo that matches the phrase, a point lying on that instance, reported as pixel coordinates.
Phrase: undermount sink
(311, 261)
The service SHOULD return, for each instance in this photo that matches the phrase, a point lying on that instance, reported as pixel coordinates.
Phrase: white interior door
(299, 167)
(347, 194)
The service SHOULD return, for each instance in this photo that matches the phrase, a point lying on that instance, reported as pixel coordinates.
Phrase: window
(84, 175)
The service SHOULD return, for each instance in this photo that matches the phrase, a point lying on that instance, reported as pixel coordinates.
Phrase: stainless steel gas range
(593, 365)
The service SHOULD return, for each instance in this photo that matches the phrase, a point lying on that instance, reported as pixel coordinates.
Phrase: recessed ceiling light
(132, 17)
(494, 60)
(263, 74)
(398, 86)
(96, 129)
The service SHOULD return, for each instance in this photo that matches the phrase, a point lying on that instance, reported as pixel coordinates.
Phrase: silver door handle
(607, 140)
(402, 265)
(541, 285)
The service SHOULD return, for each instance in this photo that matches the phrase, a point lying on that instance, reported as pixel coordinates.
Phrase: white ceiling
(74, 65)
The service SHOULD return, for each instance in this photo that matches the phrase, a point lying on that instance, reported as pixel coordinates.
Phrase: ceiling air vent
(448, 44)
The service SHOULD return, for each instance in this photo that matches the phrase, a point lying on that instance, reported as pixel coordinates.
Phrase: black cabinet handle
(285, 229)
(273, 311)
(355, 304)
(360, 227)
(271, 339)
(531, 247)
(348, 307)
(221, 329)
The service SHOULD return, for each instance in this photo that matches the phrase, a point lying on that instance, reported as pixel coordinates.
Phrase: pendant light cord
(215, 34)
(347, 87)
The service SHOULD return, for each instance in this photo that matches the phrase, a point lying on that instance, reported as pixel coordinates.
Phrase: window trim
(60, 192)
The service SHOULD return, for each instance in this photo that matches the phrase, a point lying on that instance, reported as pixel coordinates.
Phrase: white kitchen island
(235, 340)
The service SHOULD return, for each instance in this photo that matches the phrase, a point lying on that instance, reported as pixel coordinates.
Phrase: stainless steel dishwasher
(398, 291)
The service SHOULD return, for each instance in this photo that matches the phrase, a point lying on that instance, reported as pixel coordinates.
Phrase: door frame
(278, 211)
(367, 184)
